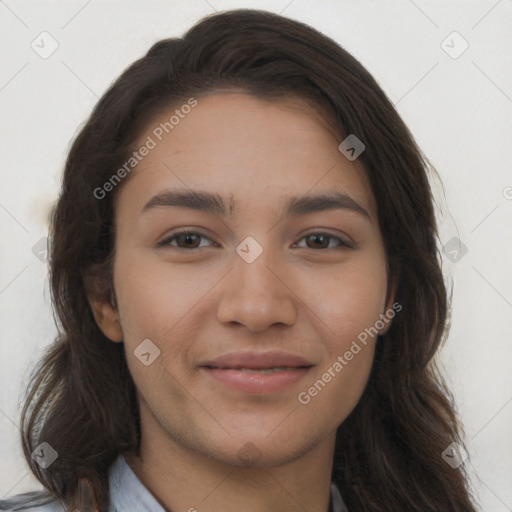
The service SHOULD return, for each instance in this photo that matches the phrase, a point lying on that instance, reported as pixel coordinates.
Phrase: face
(256, 317)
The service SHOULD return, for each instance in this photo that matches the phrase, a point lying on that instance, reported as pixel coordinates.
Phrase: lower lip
(256, 382)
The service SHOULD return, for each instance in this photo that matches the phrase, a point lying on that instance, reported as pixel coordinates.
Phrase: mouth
(257, 372)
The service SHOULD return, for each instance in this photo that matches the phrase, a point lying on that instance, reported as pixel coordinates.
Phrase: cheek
(349, 300)
(154, 305)
(152, 297)
(349, 312)
(346, 305)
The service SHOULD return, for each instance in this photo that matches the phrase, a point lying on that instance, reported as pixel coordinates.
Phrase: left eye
(190, 240)
(323, 239)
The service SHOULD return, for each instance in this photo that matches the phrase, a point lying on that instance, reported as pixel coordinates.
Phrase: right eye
(187, 240)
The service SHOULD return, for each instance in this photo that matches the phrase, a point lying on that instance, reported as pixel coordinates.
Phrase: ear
(107, 318)
(99, 290)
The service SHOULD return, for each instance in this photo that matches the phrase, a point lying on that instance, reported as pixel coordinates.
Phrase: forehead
(248, 149)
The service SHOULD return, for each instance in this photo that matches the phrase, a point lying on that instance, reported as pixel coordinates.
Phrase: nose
(257, 295)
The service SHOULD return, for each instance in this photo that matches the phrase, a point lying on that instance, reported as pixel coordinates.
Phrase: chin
(258, 449)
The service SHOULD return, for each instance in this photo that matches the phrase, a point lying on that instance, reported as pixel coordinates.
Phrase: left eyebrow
(295, 206)
(214, 203)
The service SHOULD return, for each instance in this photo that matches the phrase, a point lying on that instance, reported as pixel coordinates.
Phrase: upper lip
(257, 360)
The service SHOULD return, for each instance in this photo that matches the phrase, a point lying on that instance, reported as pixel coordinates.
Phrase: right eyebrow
(195, 200)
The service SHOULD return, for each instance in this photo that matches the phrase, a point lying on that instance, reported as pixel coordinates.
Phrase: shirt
(127, 493)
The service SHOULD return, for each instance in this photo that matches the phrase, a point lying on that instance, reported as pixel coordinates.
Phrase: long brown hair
(82, 400)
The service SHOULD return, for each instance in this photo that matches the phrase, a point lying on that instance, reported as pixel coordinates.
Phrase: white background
(459, 110)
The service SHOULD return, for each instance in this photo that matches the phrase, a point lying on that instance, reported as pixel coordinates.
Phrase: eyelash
(166, 242)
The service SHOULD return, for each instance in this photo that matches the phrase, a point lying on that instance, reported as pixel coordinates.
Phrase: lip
(234, 370)
(257, 360)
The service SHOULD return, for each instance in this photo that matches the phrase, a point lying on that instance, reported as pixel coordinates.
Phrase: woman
(244, 264)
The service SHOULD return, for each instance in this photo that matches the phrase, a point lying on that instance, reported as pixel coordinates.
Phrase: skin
(197, 304)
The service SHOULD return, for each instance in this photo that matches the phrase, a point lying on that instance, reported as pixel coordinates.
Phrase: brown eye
(188, 240)
(323, 241)
(184, 240)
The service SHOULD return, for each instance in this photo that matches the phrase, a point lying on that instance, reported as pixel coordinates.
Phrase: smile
(257, 372)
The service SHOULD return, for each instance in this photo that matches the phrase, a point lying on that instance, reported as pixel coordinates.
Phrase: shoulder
(39, 501)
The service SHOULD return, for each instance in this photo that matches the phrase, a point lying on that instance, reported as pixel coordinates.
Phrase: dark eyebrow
(214, 203)
(193, 199)
(295, 206)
